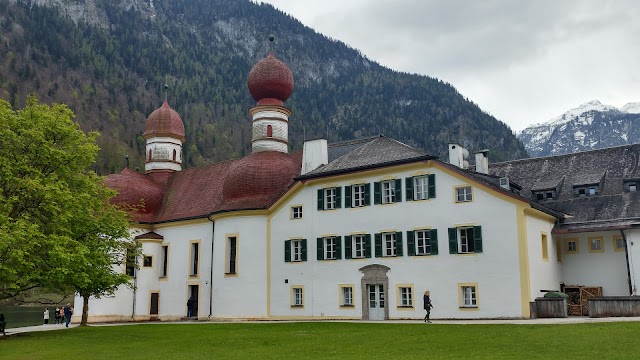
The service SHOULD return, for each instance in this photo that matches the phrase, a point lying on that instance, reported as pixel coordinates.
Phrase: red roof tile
(270, 81)
(164, 121)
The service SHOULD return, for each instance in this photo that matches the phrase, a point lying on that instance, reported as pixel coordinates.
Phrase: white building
(361, 229)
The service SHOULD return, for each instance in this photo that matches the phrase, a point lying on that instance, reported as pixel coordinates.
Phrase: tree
(58, 229)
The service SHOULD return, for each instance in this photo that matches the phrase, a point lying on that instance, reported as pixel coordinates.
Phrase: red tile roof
(270, 81)
(164, 121)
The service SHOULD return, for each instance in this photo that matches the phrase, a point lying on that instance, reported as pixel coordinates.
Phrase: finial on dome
(126, 160)
(271, 39)
(166, 90)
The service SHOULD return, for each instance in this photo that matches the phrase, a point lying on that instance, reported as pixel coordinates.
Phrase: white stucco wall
(544, 274)
(633, 247)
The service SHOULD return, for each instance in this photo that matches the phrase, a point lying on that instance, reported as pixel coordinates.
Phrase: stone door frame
(374, 274)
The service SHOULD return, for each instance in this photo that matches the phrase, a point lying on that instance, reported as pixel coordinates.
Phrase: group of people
(62, 315)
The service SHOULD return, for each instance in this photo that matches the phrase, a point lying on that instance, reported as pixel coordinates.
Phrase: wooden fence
(551, 307)
(614, 306)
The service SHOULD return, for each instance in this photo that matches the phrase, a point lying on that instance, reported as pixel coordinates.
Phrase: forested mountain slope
(109, 59)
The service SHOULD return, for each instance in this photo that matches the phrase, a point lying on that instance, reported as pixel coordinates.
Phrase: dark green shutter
(477, 238)
(367, 245)
(398, 190)
(453, 240)
(411, 243)
(378, 245)
(399, 251)
(320, 248)
(347, 196)
(321, 199)
(367, 194)
(377, 193)
(432, 186)
(338, 197)
(338, 247)
(347, 247)
(304, 249)
(287, 251)
(408, 184)
(434, 241)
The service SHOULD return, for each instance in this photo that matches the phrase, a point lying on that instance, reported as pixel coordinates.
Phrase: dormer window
(631, 185)
(586, 190)
(542, 195)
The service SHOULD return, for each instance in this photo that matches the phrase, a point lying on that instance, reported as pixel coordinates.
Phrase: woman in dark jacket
(427, 306)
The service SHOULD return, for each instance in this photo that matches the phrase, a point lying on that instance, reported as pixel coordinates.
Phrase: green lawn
(329, 340)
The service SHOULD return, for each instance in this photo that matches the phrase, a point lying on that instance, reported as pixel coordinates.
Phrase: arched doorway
(375, 292)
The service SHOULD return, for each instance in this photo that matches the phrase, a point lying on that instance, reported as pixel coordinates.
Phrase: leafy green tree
(58, 230)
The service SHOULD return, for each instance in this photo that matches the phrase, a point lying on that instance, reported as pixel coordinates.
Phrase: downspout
(135, 288)
(213, 229)
(626, 256)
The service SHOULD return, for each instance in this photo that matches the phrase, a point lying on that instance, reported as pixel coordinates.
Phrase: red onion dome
(135, 189)
(164, 121)
(270, 81)
(260, 175)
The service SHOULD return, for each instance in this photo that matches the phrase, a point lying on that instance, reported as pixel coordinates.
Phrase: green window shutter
(399, 251)
(321, 199)
(411, 243)
(338, 247)
(338, 197)
(347, 196)
(477, 238)
(432, 186)
(367, 245)
(378, 245)
(434, 241)
(377, 193)
(287, 251)
(398, 190)
(453, 240)
(347, 247)
(408, 184)
(367, 194)
(304, 249)
(320, 248)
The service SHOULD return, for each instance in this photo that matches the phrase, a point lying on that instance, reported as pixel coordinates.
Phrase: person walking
(61, 315)
(56, 316)
(427, 306)
(67, 314)
(190, 306)
(46, 316)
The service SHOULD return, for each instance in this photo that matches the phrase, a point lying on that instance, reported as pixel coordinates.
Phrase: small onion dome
(260, 175)
(270, 81)
(164, 121)
(137, 190)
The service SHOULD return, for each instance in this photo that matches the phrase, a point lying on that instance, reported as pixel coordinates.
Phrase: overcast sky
(523, 62)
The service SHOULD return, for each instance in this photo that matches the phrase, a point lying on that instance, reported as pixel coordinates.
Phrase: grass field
(329, 340)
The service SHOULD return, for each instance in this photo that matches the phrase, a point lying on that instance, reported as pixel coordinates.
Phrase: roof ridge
(356, 141)
(569, 154)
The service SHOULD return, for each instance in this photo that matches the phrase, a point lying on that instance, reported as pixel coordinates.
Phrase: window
(618, 243)
(420, 187)
(630, 185)
(231, 255)
(388, 244)
(545, 247)
(544, 195)
(296, 212)
(296, 296)
(572, 246)
(357, 246)
(464, 194)
(468, 296)
(174, 154)
(195, 257)
(295, 250)
(465, 240)
(328, 248)
(387, 192)
(329, 198)
(269, 131)
(165, 260)
(422, 242)
(147, 261)
(357, 195)
(346, 295)
(406, 296)
(586, 190)
(130, 261)
(150, 153)
(595, 244)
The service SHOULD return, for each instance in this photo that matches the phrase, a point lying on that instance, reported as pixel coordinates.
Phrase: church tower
(270, 83)
(164, 135)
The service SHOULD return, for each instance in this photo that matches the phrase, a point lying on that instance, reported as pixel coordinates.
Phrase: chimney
(457, 156)
(482, 161)
(314, 155)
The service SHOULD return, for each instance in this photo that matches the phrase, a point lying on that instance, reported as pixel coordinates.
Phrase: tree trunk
(85, 309)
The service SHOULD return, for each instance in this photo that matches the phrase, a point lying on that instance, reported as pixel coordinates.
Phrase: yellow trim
(192, 283)
(380, 172)
(143, 241)
(544, 238)
(190, 263)
(461, 305)
(353, 296)
(390, 177)
(566, 247)
(591, 239)
(273, 209)
(359, 233)
(420, 173)
(422, 228)
(147, 256)
(168, 245)
(399, 297)
(615, 243)
(539, 214)
(358, 182)
(241, 213)
(523, 259)
(291, 212)
(174, 224)
(558, 250)
(268, 272)
(149, 302)
(292, 297)
(467, 225)
(455, 194)
(227, 260)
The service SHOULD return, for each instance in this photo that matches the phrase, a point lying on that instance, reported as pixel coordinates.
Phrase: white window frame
(575, 246)
(194, 258)
(296, 250)
(633, 187)
(465, 242)
(296, 212)
(330, 250)
(469, 296)
(346, 293)
(358, 246)
(297, 296)
(423, 242)
(329, 198)
(406, 297)
(388, 188)
(389, 244)
(464, 194)
(357, 195)
(421, 187)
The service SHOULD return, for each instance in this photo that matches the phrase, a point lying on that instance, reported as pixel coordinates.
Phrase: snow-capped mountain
(592, 125)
